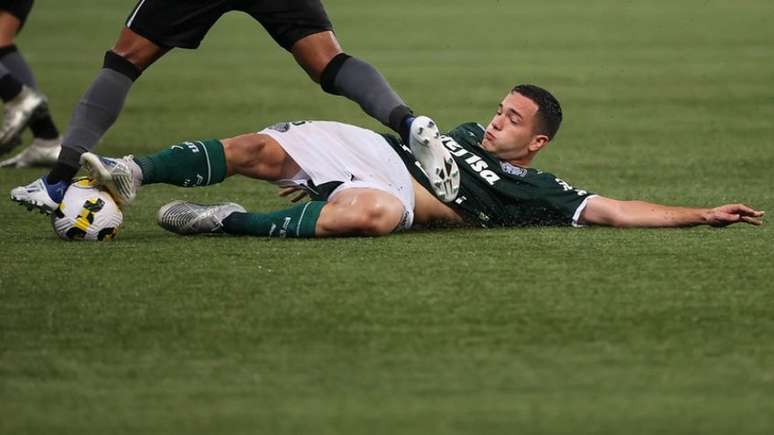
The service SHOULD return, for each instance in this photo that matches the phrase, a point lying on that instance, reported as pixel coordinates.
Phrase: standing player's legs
(103, 101)
(152, 29)
(23, 105)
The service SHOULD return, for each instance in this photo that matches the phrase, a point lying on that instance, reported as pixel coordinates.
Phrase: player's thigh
(361, 211)
(289, 21)
(176, 23)
(258, 156)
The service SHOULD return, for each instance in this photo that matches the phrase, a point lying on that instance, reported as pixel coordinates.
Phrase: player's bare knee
(377, 216)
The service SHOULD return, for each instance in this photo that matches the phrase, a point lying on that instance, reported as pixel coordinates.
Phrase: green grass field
(458, 331)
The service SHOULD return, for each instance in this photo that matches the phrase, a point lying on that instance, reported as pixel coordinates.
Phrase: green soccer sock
(188, 164)
(296, 222)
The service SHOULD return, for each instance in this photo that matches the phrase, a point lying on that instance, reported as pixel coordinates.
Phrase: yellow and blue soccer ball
(87, 212)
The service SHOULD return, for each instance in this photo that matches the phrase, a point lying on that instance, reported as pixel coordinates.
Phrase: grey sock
(95, 113)
(363, 84)
(17, 66)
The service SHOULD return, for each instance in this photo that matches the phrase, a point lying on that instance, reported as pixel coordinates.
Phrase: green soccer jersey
(497, 193)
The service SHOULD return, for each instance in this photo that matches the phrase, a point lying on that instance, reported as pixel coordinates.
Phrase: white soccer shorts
(356, 157)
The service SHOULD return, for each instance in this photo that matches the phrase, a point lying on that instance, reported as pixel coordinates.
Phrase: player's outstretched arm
(611, 212)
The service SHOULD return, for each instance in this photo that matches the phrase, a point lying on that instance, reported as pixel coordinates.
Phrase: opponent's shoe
(122, 177)
(436, 160)
(18, 113)
(183, 217)
(41, 152)
(40, 195)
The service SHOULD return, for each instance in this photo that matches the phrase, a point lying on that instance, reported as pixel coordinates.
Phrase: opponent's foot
(40, 195)
(41, 152)
(183, 217)
(436, 160)
(122, 177)
(18, 113)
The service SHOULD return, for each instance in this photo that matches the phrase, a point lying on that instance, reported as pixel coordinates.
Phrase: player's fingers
(752, 220)
(744, 209)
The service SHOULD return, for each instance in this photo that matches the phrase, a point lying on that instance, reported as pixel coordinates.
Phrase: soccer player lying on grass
(363, 183)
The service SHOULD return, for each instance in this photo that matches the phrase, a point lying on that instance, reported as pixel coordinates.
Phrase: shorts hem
(163, 42)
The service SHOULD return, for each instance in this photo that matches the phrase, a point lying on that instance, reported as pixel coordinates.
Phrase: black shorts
(18, 8)
(184, 23)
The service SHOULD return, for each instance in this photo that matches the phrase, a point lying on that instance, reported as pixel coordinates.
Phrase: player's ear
(538, 142)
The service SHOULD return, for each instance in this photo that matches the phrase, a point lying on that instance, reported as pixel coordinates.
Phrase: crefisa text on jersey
(475, 162)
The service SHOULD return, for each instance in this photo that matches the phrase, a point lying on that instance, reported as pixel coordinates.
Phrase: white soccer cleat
(18, 113)
(40, 195)
(41, 152)
(183, 217)
(436, 160)
(122, 177)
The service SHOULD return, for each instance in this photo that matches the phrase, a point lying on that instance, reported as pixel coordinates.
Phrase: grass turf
(466, 331)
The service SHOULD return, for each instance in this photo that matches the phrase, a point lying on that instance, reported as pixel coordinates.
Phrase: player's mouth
(489, 136)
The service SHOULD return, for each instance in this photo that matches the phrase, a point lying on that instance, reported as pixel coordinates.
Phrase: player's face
(511, 133)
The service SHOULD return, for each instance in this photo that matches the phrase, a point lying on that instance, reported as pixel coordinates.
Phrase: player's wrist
(707, 216)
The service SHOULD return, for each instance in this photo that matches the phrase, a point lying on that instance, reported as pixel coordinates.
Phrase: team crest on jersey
(281, 127)
(513, 169)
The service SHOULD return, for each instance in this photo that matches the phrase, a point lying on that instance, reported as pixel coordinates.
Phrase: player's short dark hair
(549, 111)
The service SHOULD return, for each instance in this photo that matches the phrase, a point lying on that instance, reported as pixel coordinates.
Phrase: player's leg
(428, 210)
(103, 101)
(315, 48)
(303, 28)
(45, 146)
(352, 212)
(360, 212)
(338, 73)
(95, 113)
(152, 29)
(192, 164)
(22, 104)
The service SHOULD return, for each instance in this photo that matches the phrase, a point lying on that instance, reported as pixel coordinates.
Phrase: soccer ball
(86, 212)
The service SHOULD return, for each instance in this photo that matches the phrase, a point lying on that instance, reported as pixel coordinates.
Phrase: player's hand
(298, 192)
(734, 213)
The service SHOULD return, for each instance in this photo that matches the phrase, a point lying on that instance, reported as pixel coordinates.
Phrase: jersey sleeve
(560, 196)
